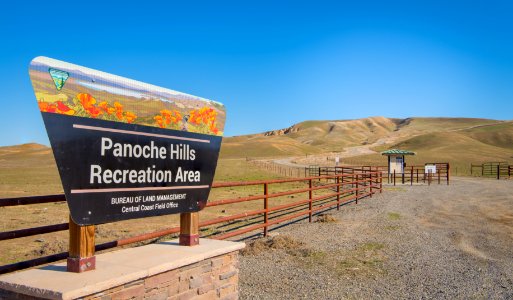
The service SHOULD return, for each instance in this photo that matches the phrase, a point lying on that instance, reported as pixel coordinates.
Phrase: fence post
(411, 176)
(380, 182)
(394, 177)
(370, 183)
(81, 248)
(266, 207)
(357, 188)
(498, 172)
(402, 177)
(338, 193)
(438, 171)
(448, 171)
(189, 229)
(417, 175)
(310, 200)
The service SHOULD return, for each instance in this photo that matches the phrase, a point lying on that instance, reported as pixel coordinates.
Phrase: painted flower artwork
(68, 89)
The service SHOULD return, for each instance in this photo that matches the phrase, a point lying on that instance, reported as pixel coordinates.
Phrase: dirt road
(320, 159)
(421, 242)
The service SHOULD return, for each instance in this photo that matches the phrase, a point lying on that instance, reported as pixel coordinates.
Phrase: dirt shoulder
(410, 242)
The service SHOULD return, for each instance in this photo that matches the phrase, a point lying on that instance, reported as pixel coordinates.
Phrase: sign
(430, 169)
(126, 149)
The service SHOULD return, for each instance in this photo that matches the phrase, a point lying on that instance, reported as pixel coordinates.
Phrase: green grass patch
(394, 189)
(371, 246)
(393, 216)
(392, 227)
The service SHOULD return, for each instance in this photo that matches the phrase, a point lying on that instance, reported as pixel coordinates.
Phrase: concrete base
(208, 270)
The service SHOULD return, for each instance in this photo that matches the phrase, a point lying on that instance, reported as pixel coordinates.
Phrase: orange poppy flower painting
(64, 88)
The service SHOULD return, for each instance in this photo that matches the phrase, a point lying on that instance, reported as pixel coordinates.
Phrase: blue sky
(272, 64)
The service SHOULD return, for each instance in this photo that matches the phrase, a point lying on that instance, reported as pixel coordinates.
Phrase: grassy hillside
(459, 141)
(30, 169)
(500, 135)
(309, 137)
(458, 147)
(314, 137)
(426, 125)
(257, 146)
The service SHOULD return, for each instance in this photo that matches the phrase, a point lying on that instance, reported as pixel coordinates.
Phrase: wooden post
(310, 200)
(394, 177)
(189, 229)
(266, 207)
(338, 193)
(498, 172)
(417, 175)
(81, 248)
(411, 176)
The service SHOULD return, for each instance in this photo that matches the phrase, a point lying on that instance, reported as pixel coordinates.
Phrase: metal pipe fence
(316, 194)
(498, 170)
(410, 175)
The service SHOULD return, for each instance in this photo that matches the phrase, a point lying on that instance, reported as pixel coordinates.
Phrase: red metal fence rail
(411, 174)
(498, 170)
(320, 193)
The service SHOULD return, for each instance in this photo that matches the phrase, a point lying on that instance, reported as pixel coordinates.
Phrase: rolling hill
(379, 133)
(459, 141)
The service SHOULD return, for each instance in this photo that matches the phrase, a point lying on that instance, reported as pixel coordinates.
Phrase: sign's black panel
(115, 171)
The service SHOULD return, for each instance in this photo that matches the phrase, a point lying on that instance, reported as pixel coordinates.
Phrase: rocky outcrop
(288, 130)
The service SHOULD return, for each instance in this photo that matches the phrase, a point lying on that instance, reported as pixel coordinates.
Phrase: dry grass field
(28, 170)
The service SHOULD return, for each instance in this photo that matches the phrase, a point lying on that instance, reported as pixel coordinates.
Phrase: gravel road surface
(411, 242)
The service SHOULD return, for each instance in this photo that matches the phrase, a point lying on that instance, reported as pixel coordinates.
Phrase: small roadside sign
(430, 169)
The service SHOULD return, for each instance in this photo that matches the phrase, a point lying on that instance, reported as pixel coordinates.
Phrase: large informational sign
(126, 149)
